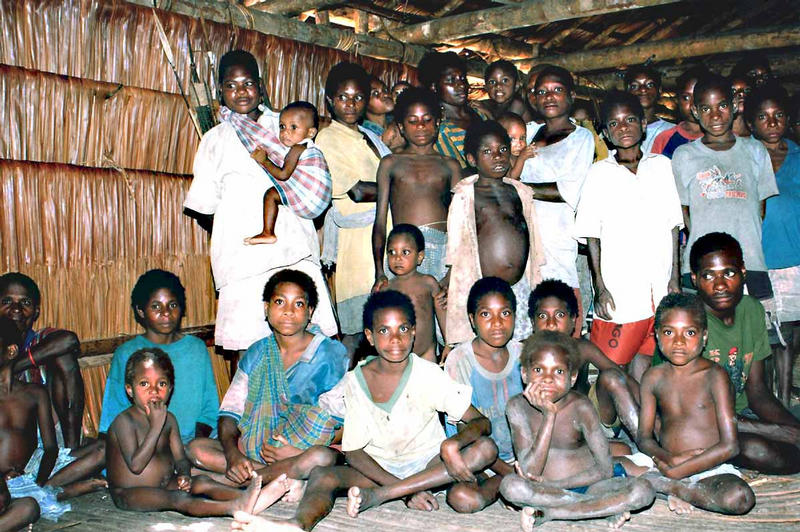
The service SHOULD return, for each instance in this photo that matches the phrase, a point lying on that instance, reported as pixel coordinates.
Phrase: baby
(520, 150)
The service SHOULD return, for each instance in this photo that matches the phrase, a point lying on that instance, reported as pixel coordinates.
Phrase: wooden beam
(514, 16)
(686, 47)
(103, 346)
(291, 8)
(495, 47)
(362, 21)
(293, 29)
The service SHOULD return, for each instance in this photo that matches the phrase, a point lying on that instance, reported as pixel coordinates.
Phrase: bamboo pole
(510, 17)
(685, 47)
(291, 8)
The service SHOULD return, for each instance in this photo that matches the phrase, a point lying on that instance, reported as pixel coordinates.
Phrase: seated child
(379, 107)
(502, 85)
(517, 133)
(393, 441)
(147, 467)
(16, 514)
(48, 356)
(553, 306)
(723, 181)
(493, 231)
(564, 467)
(158, 301)
(628, 186)
(644, 82)
(404, 253)
(687, 129)
(415, 184)
(490, 365)
(302, 181)
(35, 466)
(693, 397)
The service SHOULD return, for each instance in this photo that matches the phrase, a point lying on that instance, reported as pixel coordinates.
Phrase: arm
(183, 468)
(762, 402)
(476, 426)
(379, 227)
(546, 192)
(205, 221)
(210, 398)
(440, 306)
(516, 171)
(47, 431)
(530, 449)
(363, 192)
(647, 415)
(239, 467)
(137, 458)
(687, 225)
(289, 163)
(675, 278)
(603, 297)
(591, 353)
(54, 344)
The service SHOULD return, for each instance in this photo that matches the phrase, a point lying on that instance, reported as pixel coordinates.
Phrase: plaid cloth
(308, 191)
(450, 142)
(268, 411)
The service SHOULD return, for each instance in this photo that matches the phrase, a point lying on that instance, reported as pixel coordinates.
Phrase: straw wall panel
(86, 234)
(117, 42)
(52, 118)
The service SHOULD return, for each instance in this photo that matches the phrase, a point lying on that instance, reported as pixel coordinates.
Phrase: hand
(533, 478)
(259, 155)
(381, 283)
(674, 286)
(184, 483)
(677, 459)
(423, 501)
(454, 462)
(604, 302)
(537, 399)
(440, 299)
(156, 414)
(271, 453)
(528, 152)
(239, 470)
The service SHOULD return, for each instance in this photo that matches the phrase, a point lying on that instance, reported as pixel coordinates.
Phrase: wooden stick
(103, 346)
(291, 8)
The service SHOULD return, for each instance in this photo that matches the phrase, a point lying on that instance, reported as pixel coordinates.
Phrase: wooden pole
(291, 8)
(362, 22)
(293, 29)
(686, 47)
(514, 16)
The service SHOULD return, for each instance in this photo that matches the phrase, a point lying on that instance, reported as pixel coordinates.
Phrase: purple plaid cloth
(308, 191)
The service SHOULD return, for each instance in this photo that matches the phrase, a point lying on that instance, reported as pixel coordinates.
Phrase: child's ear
(694, 279)
(523, 375)
(420, 257)
(368, 335)
(573, 378)
(644, 124)
(471, 159)
(312, 132)
(266, 308)
(139, 311)
(129, 390)
(471, 320)
(705, 338)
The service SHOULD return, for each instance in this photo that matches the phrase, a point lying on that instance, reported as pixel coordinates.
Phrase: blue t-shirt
(780, 232)
(490, 391)
(194, 399)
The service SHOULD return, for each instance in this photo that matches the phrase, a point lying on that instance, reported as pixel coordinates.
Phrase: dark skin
(16, 514)
(371, 485)
(770, 443)
(698, 424)
(380, 103)
(559, 445)
(415, 183)
(501, 226)
(58, 353)
(741, 89)
(502, 86)
(647, 89)
(520, 151)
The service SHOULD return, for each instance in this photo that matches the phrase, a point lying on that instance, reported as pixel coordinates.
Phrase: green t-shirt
(736, 347)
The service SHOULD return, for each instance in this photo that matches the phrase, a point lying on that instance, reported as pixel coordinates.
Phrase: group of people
(438, 239)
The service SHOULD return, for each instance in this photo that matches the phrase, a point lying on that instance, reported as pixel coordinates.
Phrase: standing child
(502, 86)
(490, 365)
(405, 252)
(517, 133)
(379, 107)
(687, 129)
(723, 181)
(393, 441)
(416, 184)
(564, 467)
(158, 301)
(629, 202)
(147, 467)
(693, 398)
(493, 231)
(644, 82)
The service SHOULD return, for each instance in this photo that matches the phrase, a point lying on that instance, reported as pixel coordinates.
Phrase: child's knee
(323, 478)
(195, 449)
(318, 456)
(612, 380)
(487, 449)
(28, 509)
(201, 483)
(642, 493)
(465, 499)
(513, 487)
(738, 498)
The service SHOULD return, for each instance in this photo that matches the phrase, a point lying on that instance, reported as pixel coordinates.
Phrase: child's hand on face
(156, 413)
(528, 152)
(536, 397)
(454, 462)
(184, 483)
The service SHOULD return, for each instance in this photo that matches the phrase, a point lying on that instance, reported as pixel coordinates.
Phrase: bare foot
(679, 506)
(358, 500)
(616, 521)
(296, 490)
(247, 501)
(81, 487)
(252, 523)
(531, 518)
(261, 238)
(271, 493)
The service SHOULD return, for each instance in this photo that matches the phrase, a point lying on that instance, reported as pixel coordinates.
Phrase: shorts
(619, 472)
(642, 460)
(621, 342)
(46, 496)
(592, 395)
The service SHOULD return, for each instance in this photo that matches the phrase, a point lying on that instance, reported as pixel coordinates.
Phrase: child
(303, 183)
(398, 88)
(446, 75)
(158, 302)
(502, 84)
(415, 184)
(393, 441)
(490, 365)
(693, 398)
(723, 181)
(47, 473)
(493, 231)
(553, 306)
(405, 252)
(564, 467)
(767, 114)
(755, 67)
(147, 467)
(379, 107)
(48, 356)
(226, 197)
(16, 514)
(629, 202)
(644, 82)
(741, 87)
(563, 157)
(687, 129)
(520, 151)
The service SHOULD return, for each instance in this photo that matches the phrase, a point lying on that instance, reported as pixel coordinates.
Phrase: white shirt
(564, 163)
(633, 216)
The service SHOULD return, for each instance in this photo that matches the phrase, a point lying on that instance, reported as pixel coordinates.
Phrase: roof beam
(686, 47)
(291, 8)
(514, 16)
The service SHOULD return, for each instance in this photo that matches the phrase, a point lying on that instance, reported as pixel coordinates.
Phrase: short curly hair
(550, 338)
(301, 279)
(432, 65)
(417, 95)
(7, 279)
(478, 130)
(159, 357)
(384, 300)
(343, 72)
(486, 286)
(154, 280)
